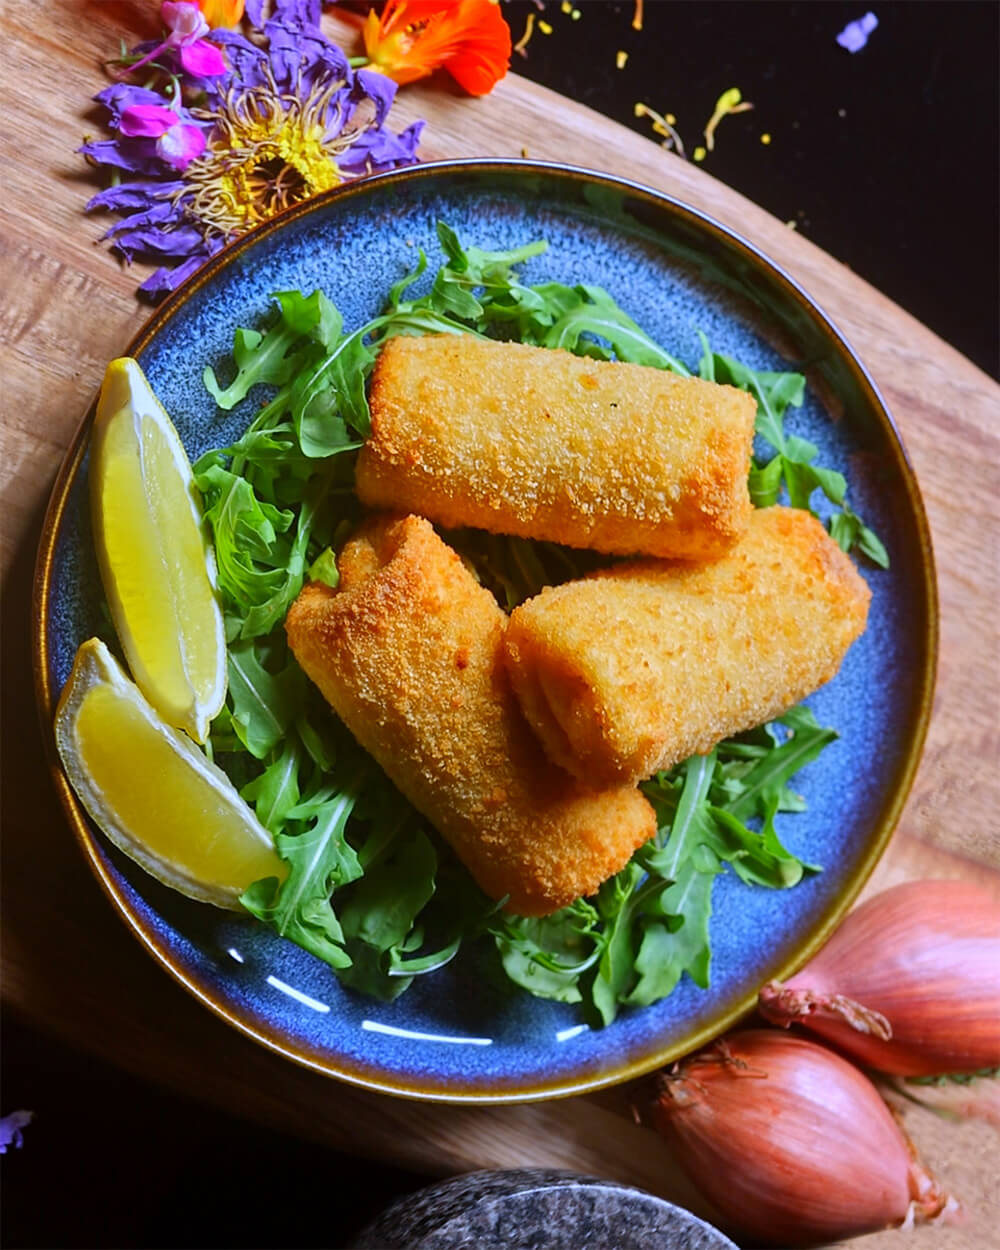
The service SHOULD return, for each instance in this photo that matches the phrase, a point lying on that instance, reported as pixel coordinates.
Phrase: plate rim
(46, 698)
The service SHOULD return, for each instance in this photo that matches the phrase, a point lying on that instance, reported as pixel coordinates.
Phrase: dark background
(887, 159)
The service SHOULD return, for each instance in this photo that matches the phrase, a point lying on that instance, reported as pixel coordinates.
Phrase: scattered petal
(765, 139)
(662, 126)
(637, 16)
(730, 101)
(529, 30)
(855, 34)
(10, 1129)
(620, 60)
(544, 27)
(699, 154)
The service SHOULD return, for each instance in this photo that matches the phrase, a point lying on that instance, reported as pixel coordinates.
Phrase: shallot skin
(908, 985)
(791, 1142)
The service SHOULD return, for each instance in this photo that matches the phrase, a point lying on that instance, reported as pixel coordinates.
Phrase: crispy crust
(540, 443)
(408, 652)
(635, 668)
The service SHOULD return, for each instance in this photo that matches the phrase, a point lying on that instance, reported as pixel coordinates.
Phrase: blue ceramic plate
(462, 1034)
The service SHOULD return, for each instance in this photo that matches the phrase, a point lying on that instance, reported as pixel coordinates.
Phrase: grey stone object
(536, 1209)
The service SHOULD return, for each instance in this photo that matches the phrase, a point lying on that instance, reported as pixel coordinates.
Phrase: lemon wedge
(157, 567)
(153, 792)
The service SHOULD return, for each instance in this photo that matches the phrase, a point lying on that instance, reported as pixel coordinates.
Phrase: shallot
(791, 1142)
(909, 984)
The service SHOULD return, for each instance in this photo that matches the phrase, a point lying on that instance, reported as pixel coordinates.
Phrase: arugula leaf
(516, 569)
(263, 705)
(652, 918)
(773, 770)
(381, 909)
(597, 314)
(679, 807)
(324, 569)
(792, 467)
(956, 1078)
(267, 357)
(849, 531)
(323, 399)
(667, 949)
(547, 955)
(275, 792)
(320, 860)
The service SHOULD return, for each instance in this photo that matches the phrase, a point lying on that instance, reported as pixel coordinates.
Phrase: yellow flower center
(267, 150)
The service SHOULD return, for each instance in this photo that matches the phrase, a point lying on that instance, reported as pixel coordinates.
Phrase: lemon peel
(156, 564)
(155, 794)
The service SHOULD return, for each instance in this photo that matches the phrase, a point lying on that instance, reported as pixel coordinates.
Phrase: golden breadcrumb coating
(540, 443)
(637, 667)
(407, 650)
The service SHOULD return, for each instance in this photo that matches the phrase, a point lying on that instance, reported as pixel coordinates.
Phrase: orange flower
(412, 38)
(219, 13)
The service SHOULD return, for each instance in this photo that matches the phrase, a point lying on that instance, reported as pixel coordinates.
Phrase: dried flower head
(200, 157)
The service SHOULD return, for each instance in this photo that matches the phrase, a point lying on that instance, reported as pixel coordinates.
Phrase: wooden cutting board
(70, 967)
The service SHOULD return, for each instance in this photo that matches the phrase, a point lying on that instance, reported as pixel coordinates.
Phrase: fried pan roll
(637, 667)
(407, 650)
(539, 443)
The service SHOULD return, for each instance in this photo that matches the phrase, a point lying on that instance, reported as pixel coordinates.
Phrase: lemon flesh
(157, 568)
(152, 791)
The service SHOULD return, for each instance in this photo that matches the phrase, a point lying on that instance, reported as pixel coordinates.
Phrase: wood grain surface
(68, 964)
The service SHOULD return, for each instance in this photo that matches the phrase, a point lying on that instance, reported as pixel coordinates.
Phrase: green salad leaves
(371, 889)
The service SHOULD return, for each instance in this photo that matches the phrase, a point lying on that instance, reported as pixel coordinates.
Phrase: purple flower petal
(254, 10)
(169, 279)
(146, 120)
(245, 58)
(379, 89)
(180, 145)
(376, 150)
(160, 216)
(202, 59)
(300, 54)
(137, 155)
(156, 241)
(283, 54)
(303, 13)
(854, 36)
(121, 95)
(133, 195)
(10, 1129)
